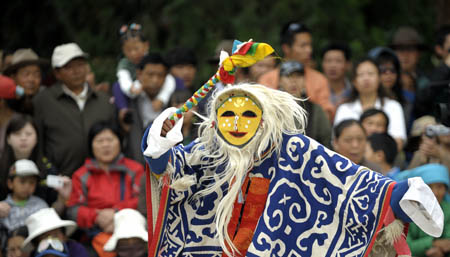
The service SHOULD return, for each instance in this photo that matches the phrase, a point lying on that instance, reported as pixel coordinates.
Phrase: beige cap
(65, 53)
(23, 57)
(419, 125)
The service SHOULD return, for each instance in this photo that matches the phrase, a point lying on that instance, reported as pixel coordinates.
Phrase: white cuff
(420, 204)
(158, 145)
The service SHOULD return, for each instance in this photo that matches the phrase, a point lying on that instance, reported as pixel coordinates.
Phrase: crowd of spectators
(72, 180)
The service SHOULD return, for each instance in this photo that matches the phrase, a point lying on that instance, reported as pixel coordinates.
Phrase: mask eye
(249, 114)
(228, 114)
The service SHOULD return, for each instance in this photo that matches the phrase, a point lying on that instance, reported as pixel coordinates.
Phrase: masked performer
(253, 185)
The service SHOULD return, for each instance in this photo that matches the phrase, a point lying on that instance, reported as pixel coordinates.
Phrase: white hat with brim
(63, 54)
(128, 223)
(43, 221)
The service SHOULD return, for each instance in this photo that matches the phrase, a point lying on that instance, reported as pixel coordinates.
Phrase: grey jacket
(63, 128)
(18, 214)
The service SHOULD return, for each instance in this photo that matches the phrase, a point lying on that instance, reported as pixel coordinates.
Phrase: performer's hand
(167, 126)
(434, 252)
(443, 244)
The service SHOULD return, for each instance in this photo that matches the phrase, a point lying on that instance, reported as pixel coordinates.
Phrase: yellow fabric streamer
(247, 60)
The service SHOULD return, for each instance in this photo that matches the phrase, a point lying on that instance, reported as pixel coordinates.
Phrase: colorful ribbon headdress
(244, 54)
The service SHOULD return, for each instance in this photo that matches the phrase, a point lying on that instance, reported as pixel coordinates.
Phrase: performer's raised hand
(167, 126)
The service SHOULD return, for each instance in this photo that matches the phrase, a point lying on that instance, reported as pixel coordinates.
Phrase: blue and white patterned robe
(319, 204)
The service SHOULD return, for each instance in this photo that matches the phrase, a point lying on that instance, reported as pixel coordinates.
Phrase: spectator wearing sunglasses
(296, 44)
(391, 80)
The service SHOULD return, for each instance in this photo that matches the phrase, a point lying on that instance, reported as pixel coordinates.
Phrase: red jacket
(94, 189)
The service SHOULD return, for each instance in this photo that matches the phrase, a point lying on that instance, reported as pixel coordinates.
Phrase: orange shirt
(316, 87)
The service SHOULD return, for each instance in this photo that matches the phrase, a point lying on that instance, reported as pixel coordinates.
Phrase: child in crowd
(130, 235)
(382, 150)
(46, 231)
(374, 121)
(21, 203)
(377, 121)
(15, 240)
(134, 47)
(437, 178)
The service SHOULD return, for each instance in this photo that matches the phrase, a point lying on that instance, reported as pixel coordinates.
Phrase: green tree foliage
(202, 24)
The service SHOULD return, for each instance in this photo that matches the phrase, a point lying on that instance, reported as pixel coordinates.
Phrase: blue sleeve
(397, 194)
(157, 166)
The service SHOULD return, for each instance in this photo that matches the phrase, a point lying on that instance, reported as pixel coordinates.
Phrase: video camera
(436, 130)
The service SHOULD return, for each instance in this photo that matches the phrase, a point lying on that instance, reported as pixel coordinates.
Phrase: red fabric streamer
(226, 77)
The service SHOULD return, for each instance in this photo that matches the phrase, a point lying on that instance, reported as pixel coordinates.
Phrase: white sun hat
(128, 223)
(43, 221)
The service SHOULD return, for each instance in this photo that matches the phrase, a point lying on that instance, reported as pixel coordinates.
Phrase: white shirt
(392, 108)
(146, 109)
(126, 82)
(80, 99)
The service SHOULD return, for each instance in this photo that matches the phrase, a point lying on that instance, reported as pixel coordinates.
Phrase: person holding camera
(434, 147)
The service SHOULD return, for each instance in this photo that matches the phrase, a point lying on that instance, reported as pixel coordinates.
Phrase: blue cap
(430, 173)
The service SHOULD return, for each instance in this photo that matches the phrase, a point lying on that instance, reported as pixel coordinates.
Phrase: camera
(54, 181)
(436, 130)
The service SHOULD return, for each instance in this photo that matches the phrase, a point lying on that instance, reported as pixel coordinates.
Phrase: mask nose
(236, 118)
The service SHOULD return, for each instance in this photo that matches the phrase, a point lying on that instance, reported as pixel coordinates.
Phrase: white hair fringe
(281, 115)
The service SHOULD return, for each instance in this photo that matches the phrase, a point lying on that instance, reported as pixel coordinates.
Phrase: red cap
(7, 88)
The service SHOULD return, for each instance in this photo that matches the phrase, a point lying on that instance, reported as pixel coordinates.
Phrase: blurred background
(202, 24)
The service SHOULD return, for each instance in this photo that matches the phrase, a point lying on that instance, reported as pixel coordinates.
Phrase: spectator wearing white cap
(66, 111)
(48, 234)
(130, 235)
(22, 181)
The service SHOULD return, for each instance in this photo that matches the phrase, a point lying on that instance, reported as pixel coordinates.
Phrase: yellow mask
(238, 119)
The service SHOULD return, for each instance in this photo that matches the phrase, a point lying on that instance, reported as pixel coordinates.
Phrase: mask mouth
(238, 134)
